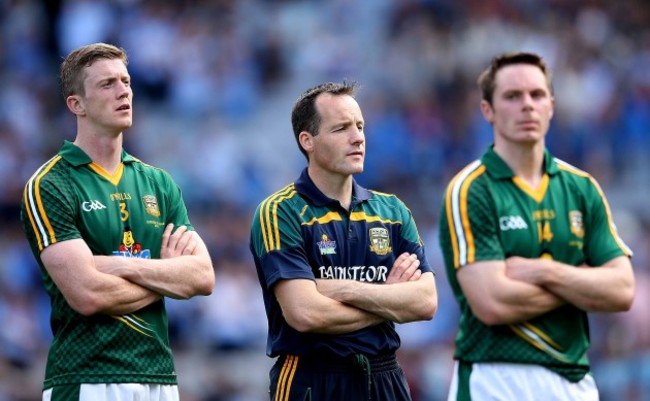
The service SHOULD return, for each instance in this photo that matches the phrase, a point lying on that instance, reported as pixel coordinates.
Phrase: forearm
(608, 288)
(308, 311)
(522, 302)
(181, 277)
(496, 297)
(126, 298)
(338, 318)
(400, 302)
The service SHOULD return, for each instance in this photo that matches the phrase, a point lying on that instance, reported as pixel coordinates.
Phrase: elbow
(626, 300)
(429, 309)
(304, 323)
(202, 286)
(206, 286)
(490, 316)
(85, 304)
(425, 311)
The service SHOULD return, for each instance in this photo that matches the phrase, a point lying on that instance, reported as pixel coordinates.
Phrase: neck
(527, 162)
(334, 186)
(106, 151)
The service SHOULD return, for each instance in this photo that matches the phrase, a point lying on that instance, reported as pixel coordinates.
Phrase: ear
(552, 107)
(76, 106)
(306, 141)
(488, 113)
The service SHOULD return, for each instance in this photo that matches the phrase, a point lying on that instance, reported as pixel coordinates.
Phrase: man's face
(339, 147)
(522, 105)
(108, 99)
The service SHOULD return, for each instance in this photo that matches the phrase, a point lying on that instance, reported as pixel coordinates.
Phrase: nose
(358, 135)
(527, 101)
(124, 90)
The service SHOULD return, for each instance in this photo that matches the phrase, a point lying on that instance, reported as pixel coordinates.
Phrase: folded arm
(71, 265)
(184, 270)
(307, 310)
(607, 288)
(408, 294)
(495, 298)
(400, 302)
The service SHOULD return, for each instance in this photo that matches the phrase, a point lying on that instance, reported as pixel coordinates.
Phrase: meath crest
(151, 205)
(577, 227)
(379, 240)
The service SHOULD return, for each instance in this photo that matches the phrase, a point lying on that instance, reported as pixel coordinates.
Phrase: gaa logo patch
(379, 240)
(577, 226)
(151, 205)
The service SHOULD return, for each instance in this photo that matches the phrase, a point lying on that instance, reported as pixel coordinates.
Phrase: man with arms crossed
(101, 226)
(338, 265)
(530, 247)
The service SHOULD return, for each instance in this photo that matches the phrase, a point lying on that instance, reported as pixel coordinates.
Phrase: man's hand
(405, 268)
(181, 242)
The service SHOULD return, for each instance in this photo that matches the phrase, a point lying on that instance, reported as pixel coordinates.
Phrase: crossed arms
(342, 306)
(118, 285)
(518, 289)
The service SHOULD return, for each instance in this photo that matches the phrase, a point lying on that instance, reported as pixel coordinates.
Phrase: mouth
(124, 107)
(528, 124)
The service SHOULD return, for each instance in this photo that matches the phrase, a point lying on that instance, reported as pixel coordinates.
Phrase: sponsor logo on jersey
(379, 240)
(130, 248)
(89, 206)
(326, 246)
(151, 205)
(376, 274)
(512, 223)
(577, 227)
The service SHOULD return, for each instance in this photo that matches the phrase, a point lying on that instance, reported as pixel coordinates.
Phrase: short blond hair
(72, 68)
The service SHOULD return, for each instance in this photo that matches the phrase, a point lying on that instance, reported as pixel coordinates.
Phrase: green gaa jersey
(490, 214)
(123, 214)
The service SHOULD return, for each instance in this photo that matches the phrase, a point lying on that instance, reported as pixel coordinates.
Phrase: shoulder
(472, 177)
(576, 176)
(285, 199)
(53, 172)
(570, 170)
(150, 171)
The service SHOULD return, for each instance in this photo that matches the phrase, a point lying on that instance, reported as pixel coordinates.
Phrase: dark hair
(72, 68)
(487, 79)
(305, 117)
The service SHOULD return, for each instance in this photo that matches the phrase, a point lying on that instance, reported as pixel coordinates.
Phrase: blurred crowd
(214, 83)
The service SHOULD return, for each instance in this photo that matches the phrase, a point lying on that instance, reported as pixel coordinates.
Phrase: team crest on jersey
(379, 240)
(326, 246)
(151, 205)
(577, 227)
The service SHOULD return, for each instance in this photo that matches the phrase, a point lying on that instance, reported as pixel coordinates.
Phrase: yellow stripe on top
(283, 387)
(35, 210)
(269, 224)
(610, 220)
(462, 238)
(362, 216)
(112, 178)
(536, 193)
(329, 217)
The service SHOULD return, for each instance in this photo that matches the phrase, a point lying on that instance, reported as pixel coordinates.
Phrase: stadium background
(214, 83)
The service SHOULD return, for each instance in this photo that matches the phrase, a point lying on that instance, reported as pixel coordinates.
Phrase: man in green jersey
(338, 265)
(530, 247)
(112, 238)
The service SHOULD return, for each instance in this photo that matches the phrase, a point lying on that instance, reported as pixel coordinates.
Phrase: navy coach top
(299, 233)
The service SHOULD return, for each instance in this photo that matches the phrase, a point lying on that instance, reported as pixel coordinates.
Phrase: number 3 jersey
(123, 214)
(490, 214)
